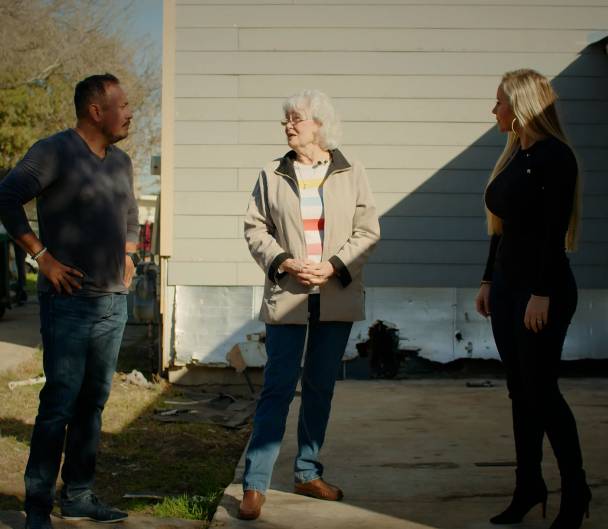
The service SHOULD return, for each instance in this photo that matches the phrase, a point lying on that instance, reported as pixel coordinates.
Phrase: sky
(148, 20)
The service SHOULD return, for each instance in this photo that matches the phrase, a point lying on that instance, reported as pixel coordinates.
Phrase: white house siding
(414, 84)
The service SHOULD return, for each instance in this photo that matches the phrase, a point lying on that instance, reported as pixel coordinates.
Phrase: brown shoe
(317, 488)
(251, 506)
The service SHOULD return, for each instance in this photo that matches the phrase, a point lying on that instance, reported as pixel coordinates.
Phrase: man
(88, 223)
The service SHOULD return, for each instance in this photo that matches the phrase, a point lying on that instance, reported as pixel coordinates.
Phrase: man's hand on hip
(62, 277)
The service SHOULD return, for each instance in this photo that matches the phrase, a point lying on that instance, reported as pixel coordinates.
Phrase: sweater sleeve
(487, 274)
(28, 179)
(557, 180)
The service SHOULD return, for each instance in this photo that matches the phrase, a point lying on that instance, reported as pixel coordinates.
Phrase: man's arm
(35, 172)
(61, 276)
(132, 235)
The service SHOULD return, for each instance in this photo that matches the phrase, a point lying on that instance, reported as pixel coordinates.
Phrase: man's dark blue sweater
(86, 208)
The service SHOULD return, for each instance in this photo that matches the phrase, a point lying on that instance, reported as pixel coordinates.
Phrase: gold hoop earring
(512, 126)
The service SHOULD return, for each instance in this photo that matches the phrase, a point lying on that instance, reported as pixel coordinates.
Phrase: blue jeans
(284, 347)
(81, 339)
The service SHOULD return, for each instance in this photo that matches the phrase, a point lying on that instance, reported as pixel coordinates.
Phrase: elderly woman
(529, 290)
(310, 225)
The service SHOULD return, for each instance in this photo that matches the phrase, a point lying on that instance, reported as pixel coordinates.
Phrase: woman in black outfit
(529, 290)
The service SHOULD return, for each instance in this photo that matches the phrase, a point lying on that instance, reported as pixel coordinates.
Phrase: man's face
(115, 115)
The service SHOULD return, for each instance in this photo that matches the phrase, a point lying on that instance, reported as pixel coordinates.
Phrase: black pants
(532, 362)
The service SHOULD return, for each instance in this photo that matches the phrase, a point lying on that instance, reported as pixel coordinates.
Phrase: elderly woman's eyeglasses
(294, 120)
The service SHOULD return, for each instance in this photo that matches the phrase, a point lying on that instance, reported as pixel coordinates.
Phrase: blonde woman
(311, 224)
(529, 290)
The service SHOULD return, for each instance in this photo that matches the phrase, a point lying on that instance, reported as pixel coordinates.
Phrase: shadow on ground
(138, 454)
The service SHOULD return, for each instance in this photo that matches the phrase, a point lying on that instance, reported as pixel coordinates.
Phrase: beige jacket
(274, 232)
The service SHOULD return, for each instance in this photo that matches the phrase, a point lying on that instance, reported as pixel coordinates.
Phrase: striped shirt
(310, 183)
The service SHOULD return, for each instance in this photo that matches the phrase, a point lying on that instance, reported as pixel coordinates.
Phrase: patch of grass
(31, 279)
(16, 423)
(188, 507)
(190, 464)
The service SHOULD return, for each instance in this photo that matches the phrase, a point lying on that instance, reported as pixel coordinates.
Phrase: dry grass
(190, 462)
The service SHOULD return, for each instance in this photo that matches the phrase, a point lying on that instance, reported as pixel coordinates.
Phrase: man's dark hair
(89, 89)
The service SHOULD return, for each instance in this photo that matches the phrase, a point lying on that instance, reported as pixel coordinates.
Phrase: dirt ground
(138, 454)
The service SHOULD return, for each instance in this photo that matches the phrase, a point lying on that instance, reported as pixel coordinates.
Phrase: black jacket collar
(338, 163)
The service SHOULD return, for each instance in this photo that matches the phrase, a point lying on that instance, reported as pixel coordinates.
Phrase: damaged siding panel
(210, 320)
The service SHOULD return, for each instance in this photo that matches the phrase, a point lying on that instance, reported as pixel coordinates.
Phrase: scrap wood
(144, 496)
(28, 382)
(484, 384)
(223, 409)
(235, 359)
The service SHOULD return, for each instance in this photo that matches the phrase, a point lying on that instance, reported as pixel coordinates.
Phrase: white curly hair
(314, 104)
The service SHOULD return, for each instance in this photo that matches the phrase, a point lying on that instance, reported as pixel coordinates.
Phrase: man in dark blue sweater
(88, 222)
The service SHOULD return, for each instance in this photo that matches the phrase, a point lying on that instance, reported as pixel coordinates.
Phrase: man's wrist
(36, 255)
(134, 258)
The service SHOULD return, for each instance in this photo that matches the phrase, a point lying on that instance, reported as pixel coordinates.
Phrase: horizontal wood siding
(414, 84)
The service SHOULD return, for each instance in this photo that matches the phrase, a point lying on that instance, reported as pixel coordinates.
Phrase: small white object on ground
(29, 382)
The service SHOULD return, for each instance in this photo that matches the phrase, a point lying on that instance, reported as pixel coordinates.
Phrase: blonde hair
(532, 100)
(316, 105)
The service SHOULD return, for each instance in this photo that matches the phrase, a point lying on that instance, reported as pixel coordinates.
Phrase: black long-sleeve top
(533, 196)
(86, 208)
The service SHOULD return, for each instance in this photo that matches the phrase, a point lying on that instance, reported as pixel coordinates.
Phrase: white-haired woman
(529, 290)
(310, 225)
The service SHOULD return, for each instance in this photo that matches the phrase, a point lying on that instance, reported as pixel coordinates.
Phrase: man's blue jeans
(81, 339)
(284, 347)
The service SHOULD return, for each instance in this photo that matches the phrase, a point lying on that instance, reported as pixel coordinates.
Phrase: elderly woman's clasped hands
(309, 272)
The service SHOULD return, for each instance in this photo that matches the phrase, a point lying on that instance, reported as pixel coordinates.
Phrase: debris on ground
(221, 409)
(484, 464)
(484, 384)
(144, 496)
(28, 382)
(246, 354)
(136, 378)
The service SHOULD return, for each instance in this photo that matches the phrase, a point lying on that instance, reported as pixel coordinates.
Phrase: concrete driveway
(409, 454)
(424, 454)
